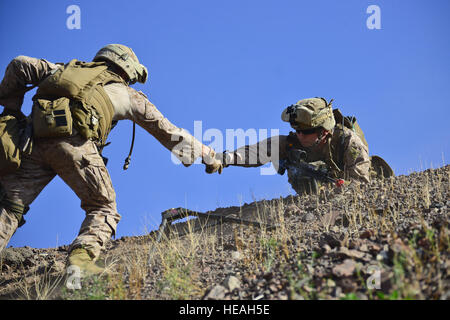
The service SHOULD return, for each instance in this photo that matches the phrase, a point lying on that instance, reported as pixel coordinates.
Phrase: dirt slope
(385, 240)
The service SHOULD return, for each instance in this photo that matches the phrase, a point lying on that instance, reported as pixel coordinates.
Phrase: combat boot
(80, 258)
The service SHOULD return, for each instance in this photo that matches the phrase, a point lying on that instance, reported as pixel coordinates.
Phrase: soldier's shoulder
(346, 137)
(136, 95)
(344, 132)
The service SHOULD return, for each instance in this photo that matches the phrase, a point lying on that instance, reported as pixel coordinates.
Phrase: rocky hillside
(385, 240)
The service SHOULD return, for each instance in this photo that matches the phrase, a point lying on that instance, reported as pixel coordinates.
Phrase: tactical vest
(81, 84)
(332, 161)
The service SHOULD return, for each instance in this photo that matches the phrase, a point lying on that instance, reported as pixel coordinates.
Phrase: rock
(383, 256)
(268, 276)
(308, 289)
(329, 239)
(236, 255)
(231, 283)
(329, 219)
(366, 234)
(261, 283)
(445, 296)
(16, 257)
(296, 296)
(351, 253)
(363, 248)
(345, 269)
(361, 296)
(282, 296)
(206, 269)
(331, 283)
(228, 246)
(374, 248)
(308, 217)
(216, 293)
(347, 285)
(291, 210)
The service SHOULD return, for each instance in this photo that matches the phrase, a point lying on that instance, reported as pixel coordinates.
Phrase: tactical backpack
(378, 166)
(73, 96)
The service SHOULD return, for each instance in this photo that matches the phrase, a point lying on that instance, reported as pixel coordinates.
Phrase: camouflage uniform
(343, 153)
(77, 160)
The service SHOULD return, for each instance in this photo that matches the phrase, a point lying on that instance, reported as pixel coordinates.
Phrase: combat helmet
(310, 114)
(123, 57)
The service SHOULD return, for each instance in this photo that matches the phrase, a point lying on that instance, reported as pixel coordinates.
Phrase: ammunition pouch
(11, 130)
(52, 118)
(86, 120)
(17, 209)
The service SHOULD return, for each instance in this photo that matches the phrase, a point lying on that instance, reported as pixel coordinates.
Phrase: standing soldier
(75, 107)
(327, 145)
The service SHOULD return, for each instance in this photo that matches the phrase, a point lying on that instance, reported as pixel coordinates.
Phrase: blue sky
(238, 64)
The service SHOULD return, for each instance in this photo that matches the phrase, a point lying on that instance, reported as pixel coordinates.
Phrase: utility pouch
(86, 120)
(52, 118)
(10, 154)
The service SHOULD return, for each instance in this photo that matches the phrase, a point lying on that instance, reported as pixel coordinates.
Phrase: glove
(211, 168)
(227, 159)
(212, 163)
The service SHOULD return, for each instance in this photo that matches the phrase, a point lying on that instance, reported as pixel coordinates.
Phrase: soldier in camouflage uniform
(76, 157)
(328, 145)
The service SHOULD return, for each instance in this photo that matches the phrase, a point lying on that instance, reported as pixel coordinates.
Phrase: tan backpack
(74, 93)
(378, 166)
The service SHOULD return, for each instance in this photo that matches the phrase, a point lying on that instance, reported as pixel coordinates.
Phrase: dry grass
(42, 285)
(178, 263)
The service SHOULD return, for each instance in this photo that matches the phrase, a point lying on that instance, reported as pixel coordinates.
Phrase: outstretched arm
(268, 150)
(134, 105)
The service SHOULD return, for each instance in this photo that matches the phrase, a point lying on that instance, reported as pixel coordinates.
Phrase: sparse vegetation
(326, 246)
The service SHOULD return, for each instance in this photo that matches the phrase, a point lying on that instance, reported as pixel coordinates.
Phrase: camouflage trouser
(79, 164)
